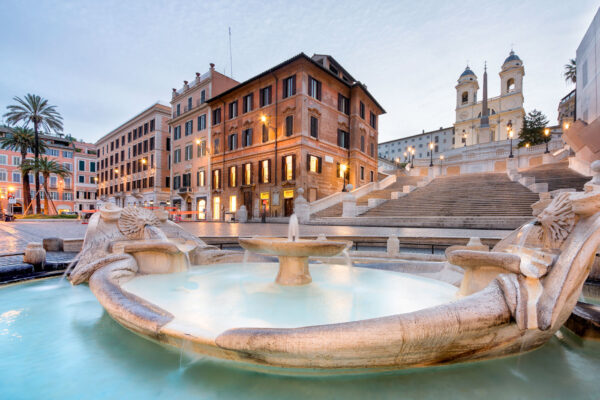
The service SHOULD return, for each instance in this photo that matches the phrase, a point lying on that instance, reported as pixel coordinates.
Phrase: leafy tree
(34, 110)
(570, 73)
(22, 140)
(533, 129)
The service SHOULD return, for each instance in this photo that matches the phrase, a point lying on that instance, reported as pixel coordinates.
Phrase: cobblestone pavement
(14, 236)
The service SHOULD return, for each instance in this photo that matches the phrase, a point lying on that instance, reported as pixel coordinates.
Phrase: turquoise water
(56, 342)
(208, 300)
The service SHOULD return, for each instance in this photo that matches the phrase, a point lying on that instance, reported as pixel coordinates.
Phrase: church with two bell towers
(489, 120)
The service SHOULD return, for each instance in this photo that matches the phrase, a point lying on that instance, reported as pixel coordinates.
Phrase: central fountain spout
(293, 253)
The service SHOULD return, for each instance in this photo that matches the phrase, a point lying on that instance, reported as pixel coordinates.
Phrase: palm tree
(46, 167)
(570, 73)
(21, 140)
(35, 110)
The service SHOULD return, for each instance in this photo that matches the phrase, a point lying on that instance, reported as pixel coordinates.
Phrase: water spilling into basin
(99, 359)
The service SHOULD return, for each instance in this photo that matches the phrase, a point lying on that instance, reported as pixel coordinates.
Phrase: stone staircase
(557, 176)
(473, 195)
(383, 195)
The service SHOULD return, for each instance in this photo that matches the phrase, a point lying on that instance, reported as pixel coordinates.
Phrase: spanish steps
(557, 176)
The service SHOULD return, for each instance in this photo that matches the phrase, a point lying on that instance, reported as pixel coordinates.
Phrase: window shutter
(293, 167)
(293, 84)
(282, 169)
(270, 90)
(337, 170)
(310, 86)
(269, 168)
(308, 162)
(251, 102)
(339, 139)
(319, 164)
(318, 90)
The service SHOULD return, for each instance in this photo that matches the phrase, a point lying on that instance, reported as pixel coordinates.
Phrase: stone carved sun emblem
(133, 220)
(557, 221)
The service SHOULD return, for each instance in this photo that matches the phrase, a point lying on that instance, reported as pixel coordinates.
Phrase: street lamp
(510, 135)
(412, 159)
(404, 156)
(441, 162)
(431, 154)
(547, 134)
(343, 168)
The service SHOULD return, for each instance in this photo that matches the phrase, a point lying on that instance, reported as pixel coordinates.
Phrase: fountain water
(293, 229)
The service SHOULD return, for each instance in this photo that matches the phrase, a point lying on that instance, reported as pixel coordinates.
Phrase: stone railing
(335, 198)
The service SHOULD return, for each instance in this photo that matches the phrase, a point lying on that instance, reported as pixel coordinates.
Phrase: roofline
(287, 62)
(158, 103)
(420, 134)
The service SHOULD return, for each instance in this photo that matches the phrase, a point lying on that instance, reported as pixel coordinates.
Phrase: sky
(102, 62)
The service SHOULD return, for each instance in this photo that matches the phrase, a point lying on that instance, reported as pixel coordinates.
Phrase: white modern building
(394, 150)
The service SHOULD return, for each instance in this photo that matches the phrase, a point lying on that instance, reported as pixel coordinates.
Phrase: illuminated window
(264, 171)
(232, 177)
(216, 179)
(247, 174)
(233, 203)
(216, 207)
(289, 168)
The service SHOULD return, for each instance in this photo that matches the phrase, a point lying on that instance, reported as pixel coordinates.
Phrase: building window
(362, 143)
(314, 127)
(232, 176)
(248, 103)
(510, 85)
(152, 143)
(288, 168)
(265, 133)
(216, 208)
(232, 141)
(189, 152)
(342, 170)
(216, 180)
(177, 156)
(178, 109)
(216, 146)
(189, 106)
(247, 177)
(200, 178)
(343, 104)
(233, 109)
(289, 125)
(265, 169)
(465, 97)
(372, 150)
(176, 134)
(93, 166)
(16, 160)
(203, 96)
(16, 177)
(3, 159)
(3, 175)
(265, 96)
(69, 154)
(247, 137)
(81, 179)
(362, 110)
(202, 149)
(189, 125)
(314, 88)
(151, 125)
(187, 180)
(202, 122)
(289, 86)
(373, 120)
(67, 196)
(232, 203)
(343, 139)
(216, 116)
(362, 173)
(314, 163)
(372, 176)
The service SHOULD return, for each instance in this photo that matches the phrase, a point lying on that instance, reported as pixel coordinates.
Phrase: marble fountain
(292, 317)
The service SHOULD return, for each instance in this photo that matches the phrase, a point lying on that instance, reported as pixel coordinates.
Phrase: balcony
(184, 190)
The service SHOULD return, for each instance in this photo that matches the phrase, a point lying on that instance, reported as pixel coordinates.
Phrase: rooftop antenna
(230, 56)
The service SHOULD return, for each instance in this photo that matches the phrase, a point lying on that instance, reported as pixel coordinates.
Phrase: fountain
(293, 253)
(336, 319)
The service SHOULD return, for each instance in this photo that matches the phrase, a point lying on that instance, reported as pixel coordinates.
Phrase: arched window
(510, 85)
(465, 97)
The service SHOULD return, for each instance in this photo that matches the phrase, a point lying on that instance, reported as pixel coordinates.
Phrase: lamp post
(431, 154)
(343, 168)
(510, 135)
(441, 163)
(547, 134)
(412, 159)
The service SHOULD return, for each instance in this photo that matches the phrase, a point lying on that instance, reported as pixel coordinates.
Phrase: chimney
(212, 66)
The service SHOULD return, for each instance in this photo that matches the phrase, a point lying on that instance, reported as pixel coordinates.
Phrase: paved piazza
(14, 236)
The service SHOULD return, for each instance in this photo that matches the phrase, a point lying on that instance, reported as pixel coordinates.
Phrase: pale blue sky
(101, 62)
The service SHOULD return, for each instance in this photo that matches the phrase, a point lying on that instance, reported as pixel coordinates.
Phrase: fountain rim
(297, 248)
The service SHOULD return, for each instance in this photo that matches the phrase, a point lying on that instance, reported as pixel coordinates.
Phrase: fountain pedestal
(293, 271)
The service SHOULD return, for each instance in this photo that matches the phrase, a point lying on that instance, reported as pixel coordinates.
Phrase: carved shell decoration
(133, 221)
(557, 221)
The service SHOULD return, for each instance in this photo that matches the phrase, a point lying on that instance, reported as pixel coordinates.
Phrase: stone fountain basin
(299, 248)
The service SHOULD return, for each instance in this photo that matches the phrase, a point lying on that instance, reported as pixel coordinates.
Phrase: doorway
(248, 202)
(288, 207)
(201, 208)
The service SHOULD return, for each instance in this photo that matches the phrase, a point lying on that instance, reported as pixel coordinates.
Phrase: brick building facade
(305, 123)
